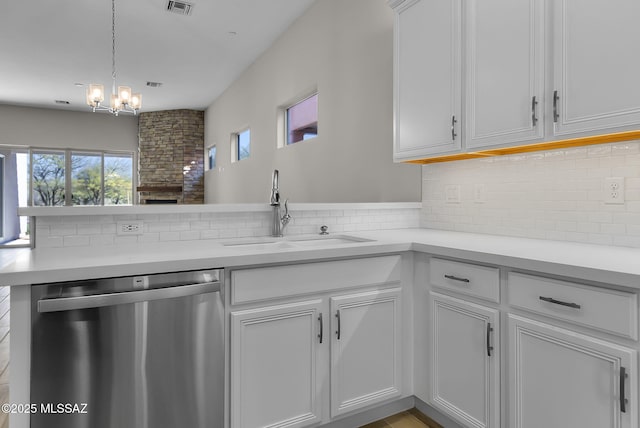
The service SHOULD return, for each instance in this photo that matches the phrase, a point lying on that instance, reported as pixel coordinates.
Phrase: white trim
(213, 208)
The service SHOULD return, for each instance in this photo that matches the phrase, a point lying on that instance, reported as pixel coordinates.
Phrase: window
(90, 178)
(118, 179)
(86, 178)
(212, 157)
(242, 144)
(14, 191)
(302, 120)
(48, 176)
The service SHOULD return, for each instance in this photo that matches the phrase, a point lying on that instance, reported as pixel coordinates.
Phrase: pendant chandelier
(122, 100)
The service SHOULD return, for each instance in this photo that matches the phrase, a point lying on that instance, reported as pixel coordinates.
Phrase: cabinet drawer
(249, 285)
(610, 311)
(465, 278)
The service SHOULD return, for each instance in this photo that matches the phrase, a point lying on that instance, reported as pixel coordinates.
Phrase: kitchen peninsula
(439, 284)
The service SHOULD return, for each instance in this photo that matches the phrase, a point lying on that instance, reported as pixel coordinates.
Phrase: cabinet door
(365, 349)
(504, 72)
(465, 375)
(427, 78)
(595, 70)
(274, 366)
(561, 379)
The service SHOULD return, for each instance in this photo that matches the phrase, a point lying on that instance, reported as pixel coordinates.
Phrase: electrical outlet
(131, 227)
(614, 190)
(452, 194)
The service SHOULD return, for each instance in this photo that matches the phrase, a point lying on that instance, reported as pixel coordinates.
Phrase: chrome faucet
(279, 221)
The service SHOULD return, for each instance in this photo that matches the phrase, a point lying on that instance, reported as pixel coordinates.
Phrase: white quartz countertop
(612, 265)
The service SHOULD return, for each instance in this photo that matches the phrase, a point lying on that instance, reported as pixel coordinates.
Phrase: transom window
(302, 120)
(241, 145)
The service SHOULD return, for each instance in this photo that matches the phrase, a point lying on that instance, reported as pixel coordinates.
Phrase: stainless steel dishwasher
(130, 352)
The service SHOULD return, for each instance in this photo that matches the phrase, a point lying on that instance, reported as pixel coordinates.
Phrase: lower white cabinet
(465, 357)
(560, 379)
(365, 349)
(280, 355)
(274, 366)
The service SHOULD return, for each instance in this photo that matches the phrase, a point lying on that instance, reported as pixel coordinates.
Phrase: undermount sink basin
(296, 242)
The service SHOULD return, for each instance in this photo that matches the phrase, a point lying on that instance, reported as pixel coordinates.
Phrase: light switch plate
(452, 193)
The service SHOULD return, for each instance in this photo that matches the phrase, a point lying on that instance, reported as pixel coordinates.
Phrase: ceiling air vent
(154, 84)
(180, 7)
(63, 102)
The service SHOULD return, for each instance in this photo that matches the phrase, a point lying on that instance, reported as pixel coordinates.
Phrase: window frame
(68, 187)
(212, 165)
(283, 118)
(235, 144)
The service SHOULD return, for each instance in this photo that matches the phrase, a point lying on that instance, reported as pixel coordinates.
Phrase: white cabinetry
(465, 343)
(313, 341)
(596, 83)
(533, 71)
(427, 78)
(275, 369)
(561, 379)
(465, 375)
(365, 349)
(504, 71)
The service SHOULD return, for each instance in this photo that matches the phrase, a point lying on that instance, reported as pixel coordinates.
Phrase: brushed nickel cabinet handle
(321, 334)
(338, 331)
(489, 347)
(453, 128)
(556, 115)
(534, 119)
(623, 399)
(560, 302)
(457, 278)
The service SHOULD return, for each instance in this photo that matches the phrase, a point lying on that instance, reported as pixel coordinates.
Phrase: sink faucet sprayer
(279, 222)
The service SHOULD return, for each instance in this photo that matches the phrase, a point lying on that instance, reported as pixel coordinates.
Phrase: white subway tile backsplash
(100, 230)
(549, 195)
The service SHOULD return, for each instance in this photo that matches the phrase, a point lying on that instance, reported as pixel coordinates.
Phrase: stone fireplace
(171, 157)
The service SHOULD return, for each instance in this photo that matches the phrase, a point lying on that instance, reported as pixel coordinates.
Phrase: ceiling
(51, 50)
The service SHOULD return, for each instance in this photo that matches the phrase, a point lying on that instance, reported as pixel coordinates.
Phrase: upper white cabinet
(596, 84)
(427, 94)
(504, 71)
(532, 71)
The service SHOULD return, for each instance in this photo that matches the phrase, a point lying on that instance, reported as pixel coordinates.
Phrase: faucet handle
(286, 217)
(323, 230)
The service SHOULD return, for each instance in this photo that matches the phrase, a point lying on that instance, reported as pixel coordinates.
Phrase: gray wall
(344, 48)
(36, 127)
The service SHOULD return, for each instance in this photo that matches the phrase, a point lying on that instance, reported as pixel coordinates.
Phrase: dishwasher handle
(111, 299)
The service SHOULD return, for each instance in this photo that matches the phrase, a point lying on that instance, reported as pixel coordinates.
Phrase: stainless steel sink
(296, 242)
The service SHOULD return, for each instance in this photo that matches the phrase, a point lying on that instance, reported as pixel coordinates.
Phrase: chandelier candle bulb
(136, 101)
(124, 94)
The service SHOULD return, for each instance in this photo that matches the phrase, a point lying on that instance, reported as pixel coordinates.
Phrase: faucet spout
(275, 191)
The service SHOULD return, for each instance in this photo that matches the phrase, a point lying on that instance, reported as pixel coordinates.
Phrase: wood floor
(409, 419)
(4, 353)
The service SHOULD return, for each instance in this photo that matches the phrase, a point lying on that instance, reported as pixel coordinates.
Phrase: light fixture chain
(113, 43)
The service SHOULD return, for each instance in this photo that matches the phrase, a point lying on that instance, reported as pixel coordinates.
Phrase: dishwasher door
(134, 352)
